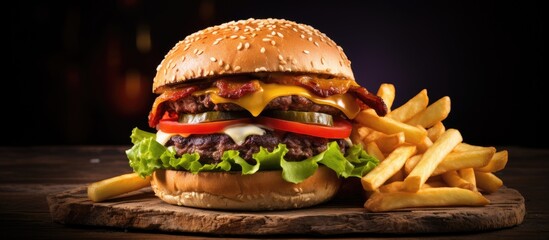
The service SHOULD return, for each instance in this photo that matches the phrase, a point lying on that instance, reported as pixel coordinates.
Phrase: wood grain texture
(142, 210)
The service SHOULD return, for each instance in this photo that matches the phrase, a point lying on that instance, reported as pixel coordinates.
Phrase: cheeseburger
(253, 115)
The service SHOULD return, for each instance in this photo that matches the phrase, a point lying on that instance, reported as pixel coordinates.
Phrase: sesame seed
(273, 33)
(281, 67)
(302, 36)
(211, 73)
(183, 58)
(195, 50)
(306, 51)
(239, 47)
(262, 50)
(266, 39)
(246, 45)
(280, 35)
(317, 44)
(213, 59)
(220, 63)
(214, 32)
(280, 57)
(233, 36)
(296, 190)
(295, 30)
(227, 67)
(260, 69)
(322, 60)
(186, 47)
(310, 39)
(236, 29)
(273, 42)
(283, 62)
(237, 68)
(200, 52)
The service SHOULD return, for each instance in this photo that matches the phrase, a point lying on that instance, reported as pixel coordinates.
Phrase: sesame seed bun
(251, 46)
(264, 190)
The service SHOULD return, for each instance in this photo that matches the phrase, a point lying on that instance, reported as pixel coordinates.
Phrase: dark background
(81, 72)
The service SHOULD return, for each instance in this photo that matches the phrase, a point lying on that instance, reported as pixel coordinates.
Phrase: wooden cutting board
(342, 215)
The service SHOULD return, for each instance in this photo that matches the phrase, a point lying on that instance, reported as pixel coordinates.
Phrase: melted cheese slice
(255, 102)
(238, 133)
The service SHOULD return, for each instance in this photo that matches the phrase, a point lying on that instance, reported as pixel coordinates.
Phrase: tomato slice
(173, 126)
(341, 129)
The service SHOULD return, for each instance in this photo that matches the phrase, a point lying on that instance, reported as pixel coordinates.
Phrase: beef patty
(211, 146)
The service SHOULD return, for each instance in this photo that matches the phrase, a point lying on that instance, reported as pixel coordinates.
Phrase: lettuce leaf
(147, 155)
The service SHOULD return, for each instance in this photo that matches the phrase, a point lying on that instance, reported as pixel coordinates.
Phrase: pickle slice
(304, 117)
(211, 117)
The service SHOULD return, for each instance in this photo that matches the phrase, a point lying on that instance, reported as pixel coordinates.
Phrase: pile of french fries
(423, 164)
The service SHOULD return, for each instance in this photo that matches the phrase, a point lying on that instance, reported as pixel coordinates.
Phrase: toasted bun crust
(250, 46)
(264, 190)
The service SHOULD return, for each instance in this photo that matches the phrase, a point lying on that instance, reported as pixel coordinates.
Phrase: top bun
(251, 46)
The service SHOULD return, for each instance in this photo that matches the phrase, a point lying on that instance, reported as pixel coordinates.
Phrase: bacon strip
(159, 108)
(236, 89)
(320, 87)
(369, 99)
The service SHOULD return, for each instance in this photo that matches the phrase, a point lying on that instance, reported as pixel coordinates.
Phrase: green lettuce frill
(147, 155)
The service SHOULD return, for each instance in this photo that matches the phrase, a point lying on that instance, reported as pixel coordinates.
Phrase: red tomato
(173, 126)
(341, 128)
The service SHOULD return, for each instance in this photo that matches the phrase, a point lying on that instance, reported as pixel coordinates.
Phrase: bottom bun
(264, 190)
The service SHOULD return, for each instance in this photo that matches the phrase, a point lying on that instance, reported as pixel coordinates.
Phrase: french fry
(488, 182)
(370, 119)
(411, 163)
(398, 176)
(453, 179)
(464, 147)
(387, 168)
(388, 143)
(373, 135)
(469, 159)
(435, 131)
(112, 187)
(468, 174)
(497, 163)
(387, 92)
(409, 109)
(373, 150)
(424, 145)
(431, 158)
(434, 113)
(426, 197)
(356, 136)
(395, 186)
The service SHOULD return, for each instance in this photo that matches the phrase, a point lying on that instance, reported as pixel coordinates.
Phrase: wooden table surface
(30, 174)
